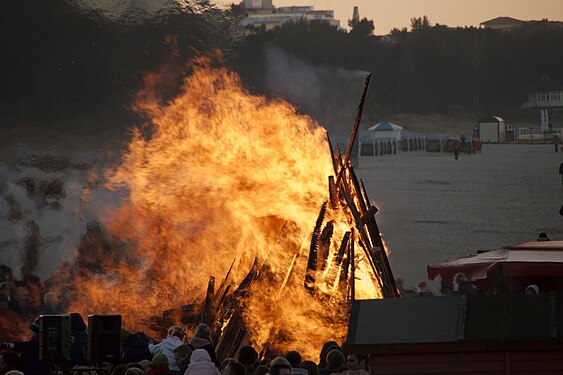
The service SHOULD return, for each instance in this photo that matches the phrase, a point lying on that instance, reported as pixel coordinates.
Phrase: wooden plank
(369, 214)
(351, 255)
(310, 275)
(357, 120)
(208, 315)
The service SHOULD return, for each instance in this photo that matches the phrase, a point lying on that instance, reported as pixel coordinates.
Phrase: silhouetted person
(201, 364)
(335, 361)
(324, 351)
(202, 340)
(531, 290)
(311, 367)
(280, 366)
(456, 148)
(543, 237)
(235, 368)
(173, 340)
(134, 347)
(464, 286)
(248, 357)
(462, 142)
(446, 287)
(294, 359)
(357, 362)
(78, 331)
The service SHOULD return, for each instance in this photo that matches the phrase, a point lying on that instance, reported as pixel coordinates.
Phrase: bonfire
(235, 211)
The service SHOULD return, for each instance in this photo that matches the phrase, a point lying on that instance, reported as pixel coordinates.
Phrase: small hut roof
(385, 126)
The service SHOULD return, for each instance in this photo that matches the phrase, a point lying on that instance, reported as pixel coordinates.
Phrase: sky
(388, 14)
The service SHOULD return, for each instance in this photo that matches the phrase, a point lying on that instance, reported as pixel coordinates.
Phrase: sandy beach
(433, 208)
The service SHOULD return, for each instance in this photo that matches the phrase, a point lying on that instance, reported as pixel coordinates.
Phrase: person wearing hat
(200, 364)
(280, 366)
(446, 287)
(532, 289)
(159, 365)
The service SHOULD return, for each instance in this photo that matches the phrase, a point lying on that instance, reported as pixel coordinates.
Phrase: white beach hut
(385, 129)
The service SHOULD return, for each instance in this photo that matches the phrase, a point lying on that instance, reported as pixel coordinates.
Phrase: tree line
(63, 58)
(427, 69)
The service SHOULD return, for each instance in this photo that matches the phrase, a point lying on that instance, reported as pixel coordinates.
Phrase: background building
(262, 13)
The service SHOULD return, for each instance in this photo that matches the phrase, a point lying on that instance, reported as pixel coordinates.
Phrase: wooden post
(208, 317)
(310, 276)
(353, 269)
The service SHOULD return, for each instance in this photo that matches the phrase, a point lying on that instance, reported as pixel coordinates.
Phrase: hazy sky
(388, 14)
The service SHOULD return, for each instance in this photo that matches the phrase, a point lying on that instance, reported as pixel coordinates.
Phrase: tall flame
(224, 177)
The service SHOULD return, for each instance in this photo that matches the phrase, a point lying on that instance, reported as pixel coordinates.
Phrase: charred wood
(229, 335)
(343, 247)
(333, 193)
(352, 284)
(356, 215)
(221, 290)
(368, 215)
(208, 316)
(358, 190)
(376, 267)
(248, 279)
(324, 246)
(310, 275)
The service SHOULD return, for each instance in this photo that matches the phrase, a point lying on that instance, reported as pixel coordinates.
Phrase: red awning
(527, 259)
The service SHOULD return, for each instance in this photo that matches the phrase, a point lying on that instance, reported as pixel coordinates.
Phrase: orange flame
(225, 176)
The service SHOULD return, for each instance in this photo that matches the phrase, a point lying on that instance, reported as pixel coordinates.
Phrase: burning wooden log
(310, 276)
(324, 245)
(333, 193)
(208, 316)
(351, 256)
(342, 261)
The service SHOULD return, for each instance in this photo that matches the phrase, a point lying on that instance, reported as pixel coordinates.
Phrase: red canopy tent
(539, 263)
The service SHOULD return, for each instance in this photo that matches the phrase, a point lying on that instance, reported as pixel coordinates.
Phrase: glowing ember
(223, 177)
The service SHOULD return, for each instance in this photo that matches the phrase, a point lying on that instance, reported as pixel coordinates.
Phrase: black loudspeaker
(54, 338)
(104, 338)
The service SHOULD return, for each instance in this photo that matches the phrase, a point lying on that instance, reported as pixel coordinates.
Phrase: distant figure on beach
(464, 286)
(462, 140)
(556, 142)
(456, 148)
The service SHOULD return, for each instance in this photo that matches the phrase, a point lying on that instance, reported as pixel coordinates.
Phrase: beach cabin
(520, 334)
(491, 129)
(512, 267)
(385, 129)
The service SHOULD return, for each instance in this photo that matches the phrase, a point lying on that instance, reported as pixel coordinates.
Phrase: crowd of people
(459, 286)
(177, 354)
